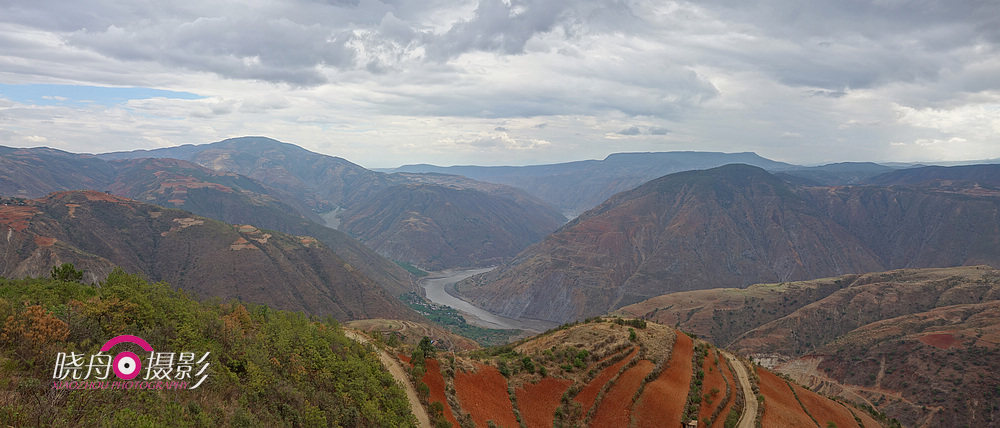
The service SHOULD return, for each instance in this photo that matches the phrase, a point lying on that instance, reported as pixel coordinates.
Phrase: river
(440, 289)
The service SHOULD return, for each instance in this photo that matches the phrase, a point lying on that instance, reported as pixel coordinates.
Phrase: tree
(426, 346)
(67, 272)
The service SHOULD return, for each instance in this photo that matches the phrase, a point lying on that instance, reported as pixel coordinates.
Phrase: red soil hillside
(664, 398)
(823, 409)
(905, 341)
(538, 401)
(616, 373)
(614, 410)
(483, 394)
(781, 409)
(588, 395)
(715, 390)
(435, 381)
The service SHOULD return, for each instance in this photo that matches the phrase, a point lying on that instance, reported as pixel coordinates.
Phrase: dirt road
(399, 373)
(749, 415)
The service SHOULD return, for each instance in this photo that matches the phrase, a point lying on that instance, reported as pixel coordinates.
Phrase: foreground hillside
(733, 226)
(97, 231)
(264, 367)
(921, 344)
(616, 373)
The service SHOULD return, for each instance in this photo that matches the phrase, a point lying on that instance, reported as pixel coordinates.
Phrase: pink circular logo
(126, 365)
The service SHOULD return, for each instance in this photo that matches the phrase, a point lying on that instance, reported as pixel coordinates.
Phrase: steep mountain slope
(439, 227)
(575, 187)
(618, 373)
(327, 183)
(220, 195)
(237, 199)
(97, 231)
(909, 227)
(920, 344)
(733, 226)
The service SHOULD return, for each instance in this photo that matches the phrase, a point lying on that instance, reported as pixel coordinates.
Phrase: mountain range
(258, 220)
(407, 217)
(736, 225)
(97, 232)
(235, 199)
(575, 187)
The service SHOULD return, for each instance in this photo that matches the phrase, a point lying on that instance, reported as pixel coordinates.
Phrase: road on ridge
(749, 416)
(399, 373)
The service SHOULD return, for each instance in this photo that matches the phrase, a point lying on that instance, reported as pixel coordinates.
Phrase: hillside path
(399, 373)
(749, 415)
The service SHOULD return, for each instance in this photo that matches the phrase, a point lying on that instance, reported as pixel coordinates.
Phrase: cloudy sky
(386, 83)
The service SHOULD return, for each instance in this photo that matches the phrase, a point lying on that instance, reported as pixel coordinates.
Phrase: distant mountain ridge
(578, 186)
(732, 226)
(515, 220)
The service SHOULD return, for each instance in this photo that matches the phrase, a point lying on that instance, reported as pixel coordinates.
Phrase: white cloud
(386, 83)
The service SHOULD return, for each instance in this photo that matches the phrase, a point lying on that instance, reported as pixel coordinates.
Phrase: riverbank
(440, 288)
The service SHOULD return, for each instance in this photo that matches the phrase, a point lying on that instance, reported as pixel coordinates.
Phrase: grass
(413, 270)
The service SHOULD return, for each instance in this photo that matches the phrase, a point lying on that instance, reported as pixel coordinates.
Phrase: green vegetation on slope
(267, 367)
(413, 270)
(455, 322)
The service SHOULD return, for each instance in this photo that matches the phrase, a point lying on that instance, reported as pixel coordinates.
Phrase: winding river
(440, 289)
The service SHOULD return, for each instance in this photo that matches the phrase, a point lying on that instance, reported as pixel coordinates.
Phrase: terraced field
(620, 373)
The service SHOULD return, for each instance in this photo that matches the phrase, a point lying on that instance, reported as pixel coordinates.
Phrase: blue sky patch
(45, 94)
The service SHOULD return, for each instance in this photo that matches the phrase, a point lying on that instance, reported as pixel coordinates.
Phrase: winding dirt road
(749, 415)
(399, 373)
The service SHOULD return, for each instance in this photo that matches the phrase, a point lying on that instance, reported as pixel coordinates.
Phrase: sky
(508, 82)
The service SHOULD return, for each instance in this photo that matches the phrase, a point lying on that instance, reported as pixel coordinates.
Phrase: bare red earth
(484, 395)
(435, 381)
(616, 405)
(939, 340)
(781, 409)
(16, 217)
(720, 421)
(44, 241)
(824, 409)
(404, 358)
(588, 394)
(713, 379)
(538, 401)
(663, 399)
